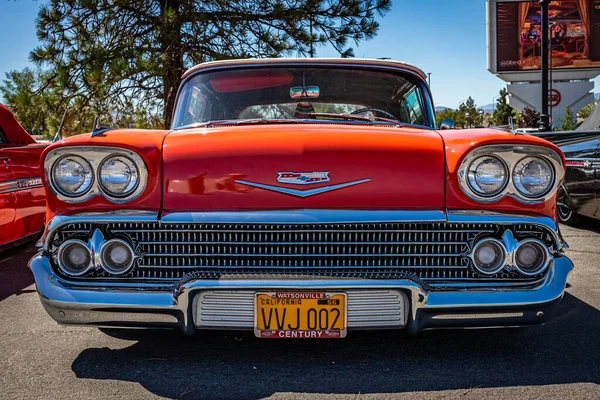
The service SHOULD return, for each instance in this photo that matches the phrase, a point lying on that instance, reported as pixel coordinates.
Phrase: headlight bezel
(511, 155)
(472, 185)
(102, 183)
(95, 156)
(81, 161)
(517, 184)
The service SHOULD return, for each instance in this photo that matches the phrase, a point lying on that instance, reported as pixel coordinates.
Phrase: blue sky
(444, 37)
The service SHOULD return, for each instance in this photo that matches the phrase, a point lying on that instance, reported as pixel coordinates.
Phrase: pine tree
(587, 110)
(110, 51)
(503, 110)
(567, 123)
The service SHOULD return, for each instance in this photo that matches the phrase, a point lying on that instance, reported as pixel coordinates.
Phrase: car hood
(299, 166)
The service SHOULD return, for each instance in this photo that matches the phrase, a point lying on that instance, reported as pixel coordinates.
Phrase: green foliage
(18, 90)
(39, 107)
(106, 52)
(503, 110)
(530, 118)
(468, 115)
(568, 122)
(442, 115)
(586, 111)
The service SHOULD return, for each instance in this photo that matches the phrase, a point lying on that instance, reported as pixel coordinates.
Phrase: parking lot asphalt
(40, 359)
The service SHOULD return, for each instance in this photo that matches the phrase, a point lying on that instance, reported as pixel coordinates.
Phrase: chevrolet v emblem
(302, 193)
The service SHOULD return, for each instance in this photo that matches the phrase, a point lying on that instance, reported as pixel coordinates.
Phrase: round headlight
(119, 176)
(74, 258)
(532, 257)
(72, 176)
(116, 257)
(489, 256)
(487, 176)
(533, 177)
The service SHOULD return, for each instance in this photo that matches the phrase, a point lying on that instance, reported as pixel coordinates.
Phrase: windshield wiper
(357, 118)
(258, 121)
(251, 121)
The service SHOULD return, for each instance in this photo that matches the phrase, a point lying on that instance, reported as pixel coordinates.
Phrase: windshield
(291, 94)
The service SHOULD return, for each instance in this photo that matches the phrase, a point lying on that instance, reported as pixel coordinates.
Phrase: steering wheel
(377, 110)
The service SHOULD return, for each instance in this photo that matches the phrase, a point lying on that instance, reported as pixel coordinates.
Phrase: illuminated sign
(574, 35)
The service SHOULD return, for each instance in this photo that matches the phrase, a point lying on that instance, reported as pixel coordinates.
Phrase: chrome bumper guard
(173, 308)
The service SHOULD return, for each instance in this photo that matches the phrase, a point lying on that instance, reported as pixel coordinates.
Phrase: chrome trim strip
(305, 216)
(474, 216)
(95, 155)
(511, 154)
(98, 217)
(302, 193)
(16, 185)
(476, 316)
(586, 163)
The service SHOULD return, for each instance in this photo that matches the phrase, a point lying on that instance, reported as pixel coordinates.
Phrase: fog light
(116, 257)
(532, 257)
(74, 258)
(489, 256)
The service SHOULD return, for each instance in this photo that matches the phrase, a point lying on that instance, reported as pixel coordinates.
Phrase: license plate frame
(309, 298)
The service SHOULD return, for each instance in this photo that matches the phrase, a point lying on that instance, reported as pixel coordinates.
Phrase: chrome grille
(231, 309)
(430, 251)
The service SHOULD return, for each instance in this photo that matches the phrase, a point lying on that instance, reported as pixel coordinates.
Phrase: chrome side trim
(16, 185)
(511, 154)
(302, 193)
(95, 155)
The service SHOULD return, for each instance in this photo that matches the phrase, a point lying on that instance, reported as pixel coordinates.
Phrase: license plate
(299, 315)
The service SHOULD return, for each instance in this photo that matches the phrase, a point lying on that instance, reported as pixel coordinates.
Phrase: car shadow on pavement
(236, 365)
(14, 274)
(589, 224)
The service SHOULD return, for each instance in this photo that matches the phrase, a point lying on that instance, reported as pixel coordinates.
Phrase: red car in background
(22, 198)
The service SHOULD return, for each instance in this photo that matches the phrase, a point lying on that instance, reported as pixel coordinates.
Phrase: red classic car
(22, 197)
(302, 198)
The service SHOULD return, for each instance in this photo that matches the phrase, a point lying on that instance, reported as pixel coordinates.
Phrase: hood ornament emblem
(302, 178)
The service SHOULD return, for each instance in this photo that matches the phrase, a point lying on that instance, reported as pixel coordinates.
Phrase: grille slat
(430, 251)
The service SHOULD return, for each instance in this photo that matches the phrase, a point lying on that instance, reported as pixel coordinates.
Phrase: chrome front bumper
(173, 307)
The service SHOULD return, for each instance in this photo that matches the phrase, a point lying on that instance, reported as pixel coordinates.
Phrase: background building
(514, 52)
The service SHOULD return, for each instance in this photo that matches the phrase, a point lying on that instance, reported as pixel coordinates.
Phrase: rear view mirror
(447, 124)
(304, 92)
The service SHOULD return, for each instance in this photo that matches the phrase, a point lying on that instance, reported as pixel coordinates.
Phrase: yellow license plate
(298, 315)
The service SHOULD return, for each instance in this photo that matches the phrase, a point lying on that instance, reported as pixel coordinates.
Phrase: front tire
(567, 215)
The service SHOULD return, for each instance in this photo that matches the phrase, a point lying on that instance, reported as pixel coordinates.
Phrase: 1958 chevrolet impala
(302, 198)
